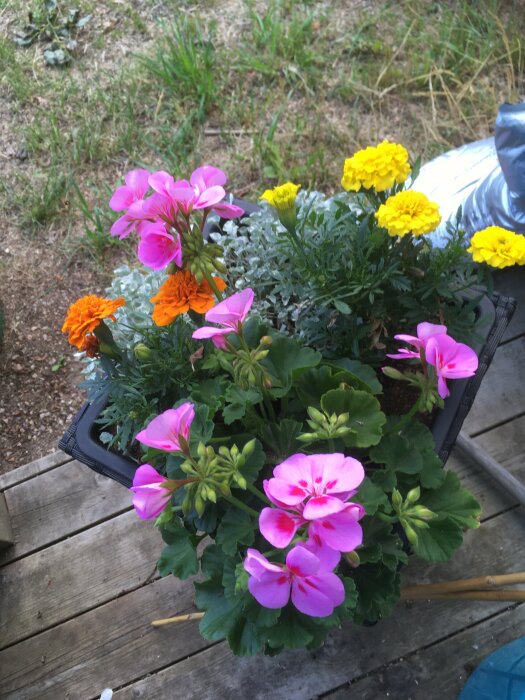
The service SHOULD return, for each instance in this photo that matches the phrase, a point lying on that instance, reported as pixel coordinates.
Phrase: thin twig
(510, 596)
(467, 584)
(178, 618)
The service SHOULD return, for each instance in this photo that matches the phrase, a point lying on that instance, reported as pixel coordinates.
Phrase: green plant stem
(211, 282)
(331, 444)
(259, 494)
(242, 506)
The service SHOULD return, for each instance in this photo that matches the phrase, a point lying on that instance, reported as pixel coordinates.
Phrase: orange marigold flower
(180, 293)
(85, 315)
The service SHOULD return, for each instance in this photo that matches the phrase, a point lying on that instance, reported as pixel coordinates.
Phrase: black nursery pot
(82, 441)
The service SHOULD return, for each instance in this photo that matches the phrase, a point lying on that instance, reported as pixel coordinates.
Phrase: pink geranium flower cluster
(152, 491)
(450, 359)
(310, 492)
(160, 218)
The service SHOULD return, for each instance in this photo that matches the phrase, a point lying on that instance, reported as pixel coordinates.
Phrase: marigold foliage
(497, 247)
(377, 168)
(282, 197)
(408, 212)
(180, 293)
(86, 314)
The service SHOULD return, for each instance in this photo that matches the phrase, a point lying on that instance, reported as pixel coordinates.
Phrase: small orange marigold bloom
(180, 293)
(86, 314)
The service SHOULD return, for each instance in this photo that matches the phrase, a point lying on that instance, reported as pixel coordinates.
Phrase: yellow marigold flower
(497, 247)
(180, 293)
(282, 197)
(408, 212)
(376, 167)
(86, 314)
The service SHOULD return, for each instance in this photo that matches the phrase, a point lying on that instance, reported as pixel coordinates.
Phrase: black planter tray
(82, 442)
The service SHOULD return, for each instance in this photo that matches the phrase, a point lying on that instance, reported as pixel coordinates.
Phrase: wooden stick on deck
(508, 595)
(466, 584)
(178, 618)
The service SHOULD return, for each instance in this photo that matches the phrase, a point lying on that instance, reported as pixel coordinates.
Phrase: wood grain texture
(507, 445)
(106, 647)
(444, 667)
(511, 282)
(352, 651)
(59, 503)
(72, 576)
(32, 469)
(501, 396)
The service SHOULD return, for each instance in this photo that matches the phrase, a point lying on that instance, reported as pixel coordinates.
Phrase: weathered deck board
(106, 647)
(445, 665)
(352, 651)
(501, 390)
(507, 445)
(68, 499)
(75, 575)
(32, 469)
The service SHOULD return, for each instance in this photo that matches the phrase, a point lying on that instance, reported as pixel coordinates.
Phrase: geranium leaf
(237, 400)
(287, 359)
(221, 614)
(378, 589)
(366, 418)
(179, 557)
(246, 638)
(439, 541)
(292, 631)
(453, 502)
(281, 437)
(212, 562)
(365, 374)
(254, 462)
(236, 527)
(370, 496)
(381, 543)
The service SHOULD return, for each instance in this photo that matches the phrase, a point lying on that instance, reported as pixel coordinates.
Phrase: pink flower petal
(228, 211)
(328, 558)
(207, 176)
(317, 596)
(272, 590)
(339, 531)
(209, 197)
(257, 564)
(121, 198)
(286, 492)
(300, 561)
(322, 506)
(278, 526)
(137, 181)
(232, 310)
(164, 431)
(157, 248)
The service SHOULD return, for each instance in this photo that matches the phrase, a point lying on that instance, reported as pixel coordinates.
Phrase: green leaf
(370, 496)
(438, 541)
(378, 589)
(211, 392)
(287, 359)
(366, 418)
(281, 438)
(384, 478)
(293, 630)
(202, 425)
(237, 401)
(236, 527)
(409, 451)
(450, 500)
(381, 543)
(313, 383)
(245, 637)
(179, 557)
(83, 21)
(221, 614)
(342, 307)
(366, 374)
(212, 562)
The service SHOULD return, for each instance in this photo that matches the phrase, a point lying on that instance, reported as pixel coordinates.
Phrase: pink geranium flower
(424, 332)
(451, 360)
(157, 247)
(151, 496)
(230, 314)
(314, 589)
(313, 491)
(133, 191)
(165, 431)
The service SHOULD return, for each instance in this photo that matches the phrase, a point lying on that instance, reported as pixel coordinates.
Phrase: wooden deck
(79, 589)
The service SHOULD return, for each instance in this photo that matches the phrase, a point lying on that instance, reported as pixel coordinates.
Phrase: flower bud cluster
(214, 474)
(411, 515)
(201, 258)
(324, 426)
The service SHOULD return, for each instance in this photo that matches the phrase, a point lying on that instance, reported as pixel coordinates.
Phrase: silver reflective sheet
(486, 178)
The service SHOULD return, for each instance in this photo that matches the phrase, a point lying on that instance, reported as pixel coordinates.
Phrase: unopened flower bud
(142, 352)
(261, 355)
(392, 373)
(201, 450)
(316, 415)
(422, 512)
(353, 559)
(413, 495)
(267, 383)
(266, 340)
(410, 533)
(249, 448)
(397, 500)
